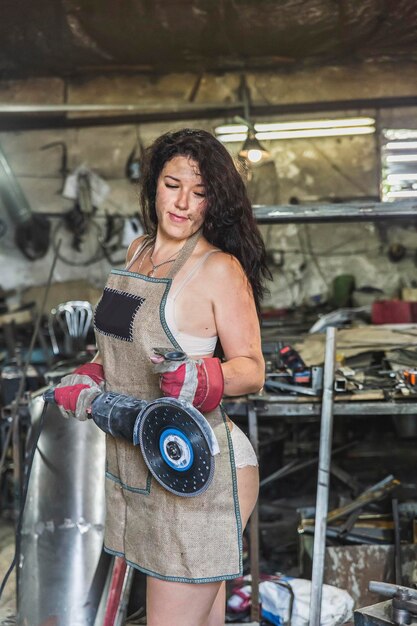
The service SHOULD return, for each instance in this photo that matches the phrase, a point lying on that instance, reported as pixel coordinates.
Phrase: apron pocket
(125, 465)
(116, 312)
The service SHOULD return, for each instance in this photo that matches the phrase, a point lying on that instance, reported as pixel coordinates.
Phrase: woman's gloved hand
(199, 382)
(76, 392)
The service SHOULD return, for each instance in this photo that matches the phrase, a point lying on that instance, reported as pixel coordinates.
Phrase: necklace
(157, 265)
(142, 259)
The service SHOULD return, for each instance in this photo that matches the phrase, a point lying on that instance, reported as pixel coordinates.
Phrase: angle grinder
(177, 442)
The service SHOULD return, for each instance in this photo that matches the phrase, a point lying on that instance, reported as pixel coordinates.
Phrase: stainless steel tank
(62, 567)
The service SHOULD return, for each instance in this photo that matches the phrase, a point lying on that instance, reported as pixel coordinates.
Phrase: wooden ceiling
(78, 38)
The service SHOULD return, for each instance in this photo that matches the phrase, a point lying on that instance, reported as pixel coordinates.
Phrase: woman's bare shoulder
(134, 246)
(222, 274)
(225, 265)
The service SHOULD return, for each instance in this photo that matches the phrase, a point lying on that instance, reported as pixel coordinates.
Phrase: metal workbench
(287, 407)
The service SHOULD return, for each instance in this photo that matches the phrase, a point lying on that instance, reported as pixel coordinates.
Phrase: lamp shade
(252, 149)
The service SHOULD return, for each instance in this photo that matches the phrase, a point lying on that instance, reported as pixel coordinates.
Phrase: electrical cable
(313, 256)
(19, 395)
(30, 456)
(95, 257)
(102, 249)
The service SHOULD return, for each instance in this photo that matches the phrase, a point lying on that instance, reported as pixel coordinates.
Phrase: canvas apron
(196, 539)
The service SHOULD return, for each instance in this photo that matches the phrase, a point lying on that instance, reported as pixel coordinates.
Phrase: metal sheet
(352, 567)
(375, 615)
(63, 526)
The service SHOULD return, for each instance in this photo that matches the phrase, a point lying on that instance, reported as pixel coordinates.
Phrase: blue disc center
(176, 449)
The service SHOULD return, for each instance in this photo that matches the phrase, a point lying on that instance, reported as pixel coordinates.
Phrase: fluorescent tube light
(401, 158)
(401, 145)
(317, 132)
(392, 178)
(229, 129)
(239, 137)
(400, 133)
(402, 194)
(300, 134)
(301, 125)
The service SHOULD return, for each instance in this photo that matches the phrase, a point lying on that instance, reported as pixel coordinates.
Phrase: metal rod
(293, 466)
(115, 591)
(397, 542)
(389, 590)
(124, 597)
(254, 523)
(322, 499)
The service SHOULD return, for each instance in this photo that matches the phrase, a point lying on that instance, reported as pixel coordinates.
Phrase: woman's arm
(237, 327)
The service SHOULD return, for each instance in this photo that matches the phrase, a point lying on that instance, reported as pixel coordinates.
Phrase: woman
(193, 282)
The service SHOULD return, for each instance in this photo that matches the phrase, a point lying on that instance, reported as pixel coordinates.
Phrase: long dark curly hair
(229, 223)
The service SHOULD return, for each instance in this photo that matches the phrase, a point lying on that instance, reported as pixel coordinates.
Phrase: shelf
(347, 212)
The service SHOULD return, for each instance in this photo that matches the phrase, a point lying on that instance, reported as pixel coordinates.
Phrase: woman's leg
(247, 487)
(179, 604)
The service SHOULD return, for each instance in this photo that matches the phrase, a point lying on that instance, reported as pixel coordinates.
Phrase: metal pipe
(124, 597)
(389, 590)
(18, 116)
(323, 479)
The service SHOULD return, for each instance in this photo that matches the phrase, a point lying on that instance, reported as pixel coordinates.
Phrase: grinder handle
(49, 395)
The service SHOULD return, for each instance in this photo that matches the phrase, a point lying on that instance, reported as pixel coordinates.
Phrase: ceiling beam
(64, 116)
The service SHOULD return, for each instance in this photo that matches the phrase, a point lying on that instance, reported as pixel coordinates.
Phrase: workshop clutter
(286, 600)
(394, 312)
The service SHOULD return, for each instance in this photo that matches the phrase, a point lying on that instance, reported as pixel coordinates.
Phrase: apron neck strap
(185, 253)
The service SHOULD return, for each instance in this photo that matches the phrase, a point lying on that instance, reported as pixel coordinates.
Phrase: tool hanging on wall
(134, 161)
(88, 190)
(32, 229)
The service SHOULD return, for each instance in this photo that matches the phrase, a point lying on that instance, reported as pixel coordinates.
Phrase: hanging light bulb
(252, 149)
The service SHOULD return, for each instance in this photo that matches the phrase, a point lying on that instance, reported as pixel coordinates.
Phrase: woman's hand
(199, 382)
(76, 392)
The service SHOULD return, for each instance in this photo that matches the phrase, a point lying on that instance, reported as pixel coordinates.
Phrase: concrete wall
(304, 259)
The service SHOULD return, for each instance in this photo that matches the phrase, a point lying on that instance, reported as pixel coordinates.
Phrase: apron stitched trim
(168, 282)
(163, 320)
(145, 491)
(136, 275)
(175, 579)
(235, 492)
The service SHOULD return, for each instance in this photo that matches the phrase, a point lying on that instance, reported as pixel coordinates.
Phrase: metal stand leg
(322, 500)
(254, 524)
(115, 592)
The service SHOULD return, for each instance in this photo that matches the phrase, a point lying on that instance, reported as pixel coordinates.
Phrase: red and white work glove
(199, 382)
(76, 392)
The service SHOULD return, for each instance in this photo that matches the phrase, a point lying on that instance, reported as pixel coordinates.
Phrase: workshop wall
(304, 259)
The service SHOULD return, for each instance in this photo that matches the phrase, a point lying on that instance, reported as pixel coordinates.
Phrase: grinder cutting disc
(174, 447)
